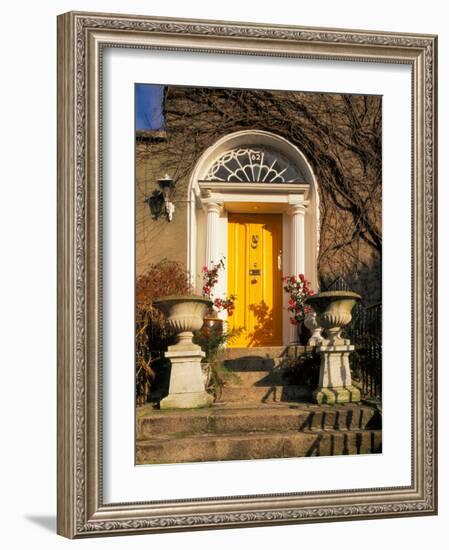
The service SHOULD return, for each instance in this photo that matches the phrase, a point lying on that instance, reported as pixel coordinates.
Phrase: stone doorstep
(253, 364)
(269, 418)
(272, 352)
(257, 378)
(257, 369)
(246, 446)
(264, 394)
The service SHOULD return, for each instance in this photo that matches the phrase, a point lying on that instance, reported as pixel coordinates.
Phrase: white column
(213, 213)
(297, 238)
(297, 248)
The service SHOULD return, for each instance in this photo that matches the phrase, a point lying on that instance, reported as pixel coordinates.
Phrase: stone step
(253, 371)
(259, 378)
(263, 394)
(272, 352)
(257, 371)
(253, 364)
(165, 449)
(262, 418)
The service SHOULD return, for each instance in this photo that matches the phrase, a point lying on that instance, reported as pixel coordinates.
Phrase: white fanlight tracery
(254, 164)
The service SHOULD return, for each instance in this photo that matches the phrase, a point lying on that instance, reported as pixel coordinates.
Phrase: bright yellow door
(255, 276)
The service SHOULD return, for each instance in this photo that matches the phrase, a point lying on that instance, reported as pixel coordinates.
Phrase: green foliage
(219, 376)
(212, 341)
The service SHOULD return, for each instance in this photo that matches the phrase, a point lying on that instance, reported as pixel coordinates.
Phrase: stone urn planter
(185, 314)
(310, 321)
(333, 312)
(212, 321)
(302, 333)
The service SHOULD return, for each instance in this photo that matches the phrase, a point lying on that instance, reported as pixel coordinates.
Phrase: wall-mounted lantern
(160, 200)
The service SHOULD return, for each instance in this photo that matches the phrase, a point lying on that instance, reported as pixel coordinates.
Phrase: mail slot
(254, 271)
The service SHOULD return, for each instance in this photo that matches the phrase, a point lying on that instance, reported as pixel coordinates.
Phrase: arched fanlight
(255, 165)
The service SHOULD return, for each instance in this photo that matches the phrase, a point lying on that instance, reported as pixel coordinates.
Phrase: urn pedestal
(185, 314)
(335, 383)
(333, 312)
(186, 389)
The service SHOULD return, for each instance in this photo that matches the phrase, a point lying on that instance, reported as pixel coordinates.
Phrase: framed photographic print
(247, 274)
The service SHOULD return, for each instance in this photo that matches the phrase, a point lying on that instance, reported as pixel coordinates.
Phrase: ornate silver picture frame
(82, 41)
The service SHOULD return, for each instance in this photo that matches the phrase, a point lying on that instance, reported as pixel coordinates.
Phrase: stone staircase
(262, 375)
(259, 416)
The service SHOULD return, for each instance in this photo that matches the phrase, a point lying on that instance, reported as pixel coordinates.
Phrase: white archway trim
(210, 201)
(248, 138)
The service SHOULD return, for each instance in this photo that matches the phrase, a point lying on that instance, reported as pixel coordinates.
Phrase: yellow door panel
(254, 276)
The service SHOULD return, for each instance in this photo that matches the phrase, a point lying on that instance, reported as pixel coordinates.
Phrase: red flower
(298, 289)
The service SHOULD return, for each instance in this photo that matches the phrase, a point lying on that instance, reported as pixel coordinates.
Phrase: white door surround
(210, 201)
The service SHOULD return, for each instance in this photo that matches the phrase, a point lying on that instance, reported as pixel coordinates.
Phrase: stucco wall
(158, 239)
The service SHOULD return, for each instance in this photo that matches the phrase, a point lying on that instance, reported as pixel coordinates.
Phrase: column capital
(212, 205)
(298, 208)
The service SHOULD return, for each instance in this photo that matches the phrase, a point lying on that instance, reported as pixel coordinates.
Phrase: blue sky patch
(149, 107)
